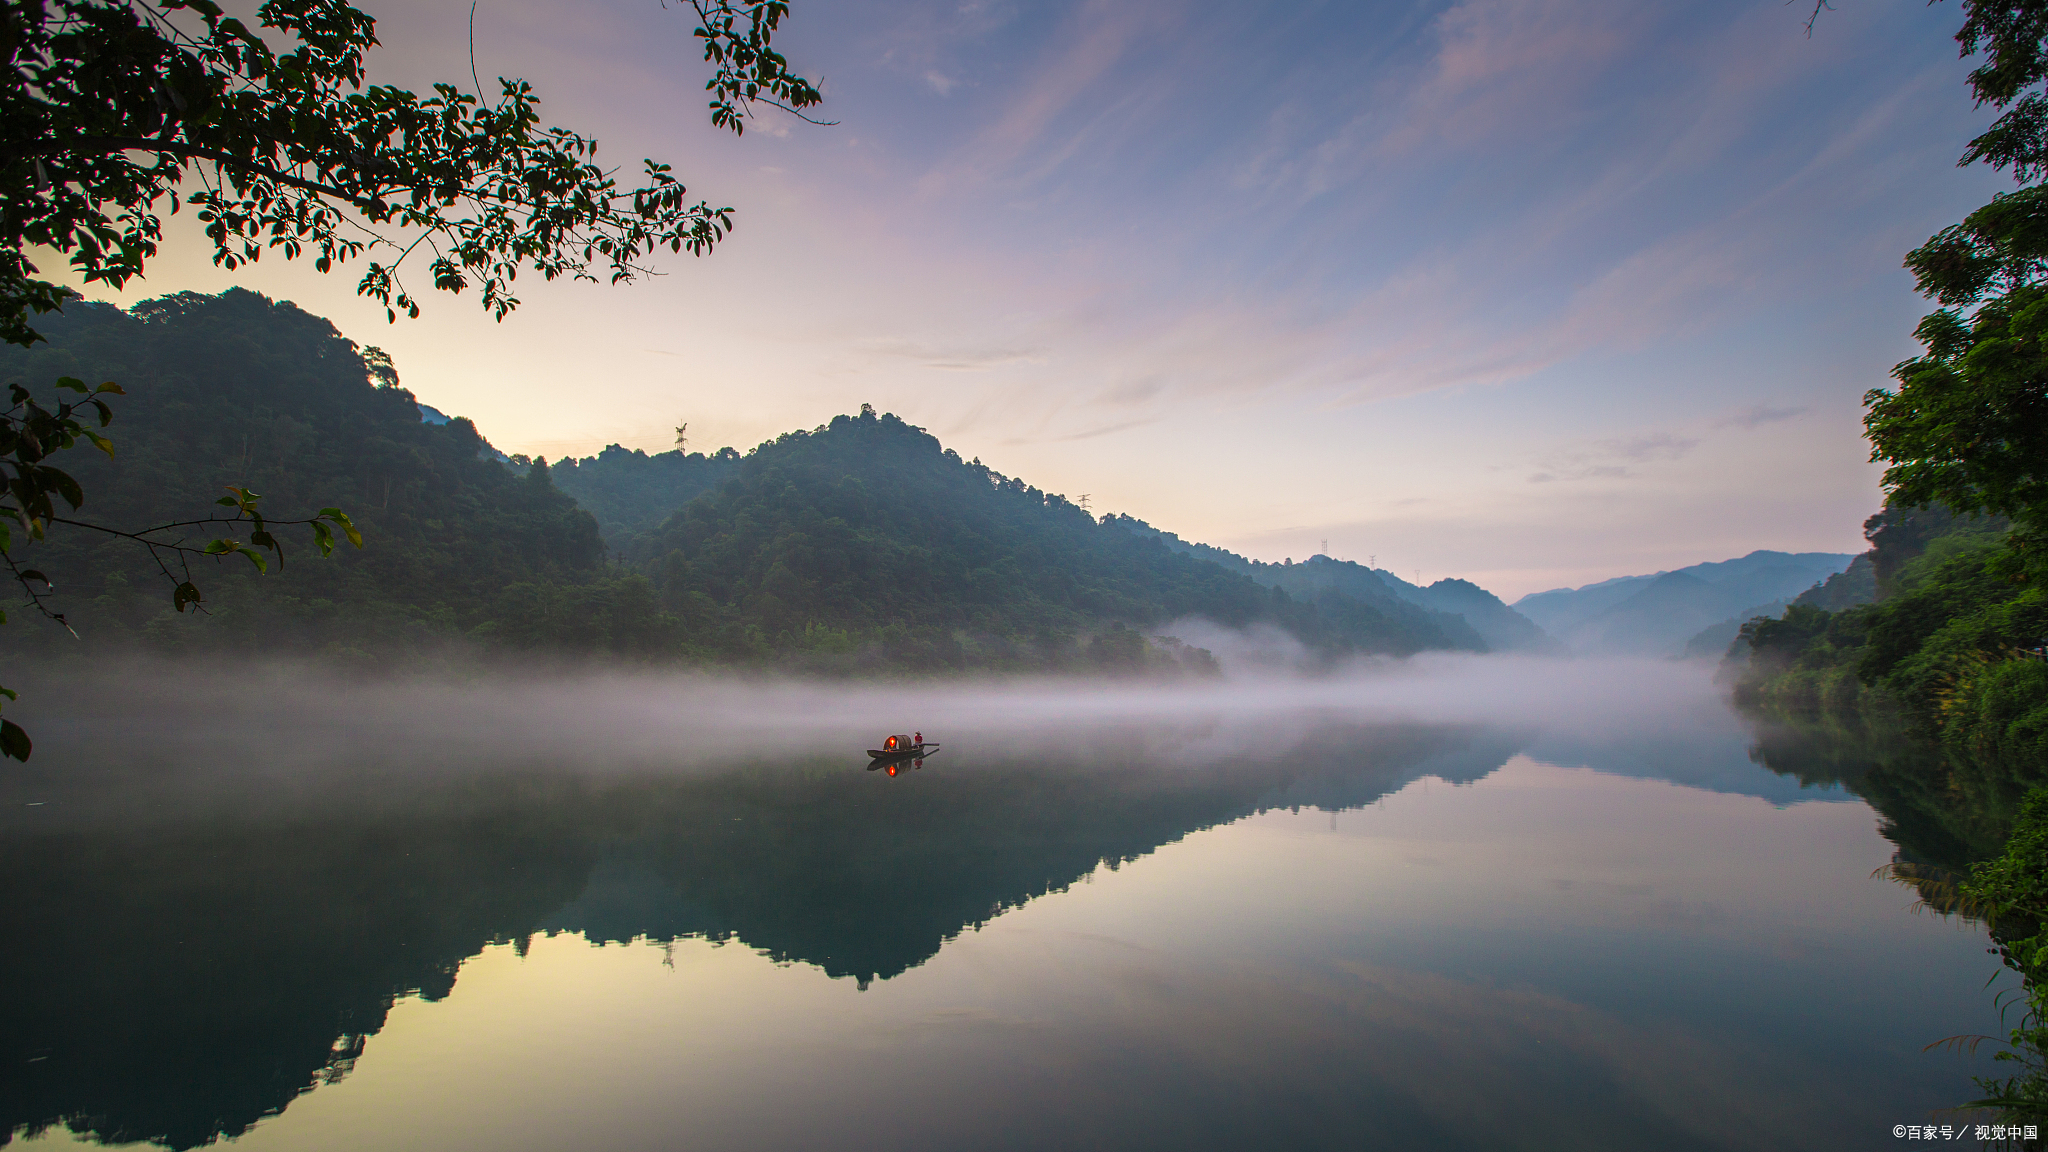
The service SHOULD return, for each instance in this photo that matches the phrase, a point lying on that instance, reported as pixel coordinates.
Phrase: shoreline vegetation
(1917, 679)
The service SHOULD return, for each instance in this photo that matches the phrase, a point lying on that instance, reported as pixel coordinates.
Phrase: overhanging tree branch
(293, 153)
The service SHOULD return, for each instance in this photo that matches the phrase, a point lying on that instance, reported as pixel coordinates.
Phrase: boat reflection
(896, 750)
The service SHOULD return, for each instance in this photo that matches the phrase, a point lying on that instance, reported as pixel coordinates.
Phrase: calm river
(1547, 911)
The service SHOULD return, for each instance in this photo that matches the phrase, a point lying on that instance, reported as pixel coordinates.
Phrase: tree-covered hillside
(861, 544)
(239, 390)
(630, 491)
(1948, 635)
(866, 531)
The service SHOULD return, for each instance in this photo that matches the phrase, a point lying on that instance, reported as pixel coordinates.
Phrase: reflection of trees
(179, 985)
(867, 881)
(178, 982)
(1944, 808)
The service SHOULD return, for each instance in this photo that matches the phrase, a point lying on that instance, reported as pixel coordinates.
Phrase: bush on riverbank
(1946, 648)
(2012, 894)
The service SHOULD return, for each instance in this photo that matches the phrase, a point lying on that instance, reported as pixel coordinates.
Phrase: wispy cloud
(1759, 415)
(946, 358)
(1104, 430)
(1020, 139)
(1611, 459)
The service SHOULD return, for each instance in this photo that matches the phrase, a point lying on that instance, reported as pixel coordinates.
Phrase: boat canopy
(897, 744)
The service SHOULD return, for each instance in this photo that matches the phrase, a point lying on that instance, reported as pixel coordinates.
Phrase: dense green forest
(1942, 635)
(861, 544)
(631, 491)
(238, 390)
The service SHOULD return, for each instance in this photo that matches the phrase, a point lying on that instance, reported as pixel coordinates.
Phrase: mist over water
(281, 715)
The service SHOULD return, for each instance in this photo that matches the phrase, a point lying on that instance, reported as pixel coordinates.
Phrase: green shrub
(2011, 891)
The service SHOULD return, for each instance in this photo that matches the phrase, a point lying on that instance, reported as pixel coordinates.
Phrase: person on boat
(917, 741)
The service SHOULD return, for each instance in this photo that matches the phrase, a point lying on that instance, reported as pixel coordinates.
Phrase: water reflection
(1943, 807)
(180, 973)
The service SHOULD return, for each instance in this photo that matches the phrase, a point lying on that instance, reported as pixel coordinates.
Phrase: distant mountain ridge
(1462, 609)
(1657, 614)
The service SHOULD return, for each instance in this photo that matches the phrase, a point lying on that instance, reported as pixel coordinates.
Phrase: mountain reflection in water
(182, 969)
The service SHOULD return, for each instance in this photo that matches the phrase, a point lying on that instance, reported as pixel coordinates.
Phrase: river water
(1522, 906)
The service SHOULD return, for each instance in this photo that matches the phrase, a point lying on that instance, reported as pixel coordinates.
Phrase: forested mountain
(862, 543)
(235, 389)
(1500, 626)
(866, 530)
(1655, 615)
(1856, 584)
(630, 491)
(1468, 616)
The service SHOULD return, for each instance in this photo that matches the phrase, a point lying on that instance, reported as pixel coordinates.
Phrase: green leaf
(111, 387)
(227, 502)
(14, 742)
(101, 443)
(31, 574)
(220, 547)
(10, 693)
(348, 527)
(72, 382)
(65, 486)
(255, 558)
(323, 538)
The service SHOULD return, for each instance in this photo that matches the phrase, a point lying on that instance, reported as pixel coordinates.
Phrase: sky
(1529, 292)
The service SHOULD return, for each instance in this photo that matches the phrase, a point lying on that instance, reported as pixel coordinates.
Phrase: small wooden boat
(901, 748)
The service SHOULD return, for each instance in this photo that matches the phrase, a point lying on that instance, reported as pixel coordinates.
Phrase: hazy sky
(1534, 292)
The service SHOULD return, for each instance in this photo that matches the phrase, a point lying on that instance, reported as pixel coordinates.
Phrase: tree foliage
(2012, 891)
(114, 106)
(1967, 425)
(1946, 642)
(116, 112)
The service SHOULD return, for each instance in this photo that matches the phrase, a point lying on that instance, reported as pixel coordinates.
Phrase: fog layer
(277, 717)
